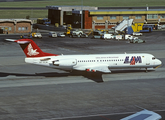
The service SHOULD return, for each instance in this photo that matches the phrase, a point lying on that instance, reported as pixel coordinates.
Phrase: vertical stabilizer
(31, 49)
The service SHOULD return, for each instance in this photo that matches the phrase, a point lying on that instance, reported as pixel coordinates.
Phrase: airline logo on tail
(31, 51)
(133, 60)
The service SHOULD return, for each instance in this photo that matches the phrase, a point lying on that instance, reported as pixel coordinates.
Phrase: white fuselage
(97, 62)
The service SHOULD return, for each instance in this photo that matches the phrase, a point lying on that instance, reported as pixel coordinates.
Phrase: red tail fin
(31, 49)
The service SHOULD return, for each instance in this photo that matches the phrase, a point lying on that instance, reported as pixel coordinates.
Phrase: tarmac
(40, 93)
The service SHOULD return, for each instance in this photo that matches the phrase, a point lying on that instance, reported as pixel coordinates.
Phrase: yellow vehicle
(56, 25)
(91, 31)
(33, 34)
(68, 29)
(36, 35)
(137, 27)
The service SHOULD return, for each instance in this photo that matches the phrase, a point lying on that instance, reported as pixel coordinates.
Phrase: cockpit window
(153, 58)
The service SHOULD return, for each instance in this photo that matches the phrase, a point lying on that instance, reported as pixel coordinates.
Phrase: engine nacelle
(65, 62)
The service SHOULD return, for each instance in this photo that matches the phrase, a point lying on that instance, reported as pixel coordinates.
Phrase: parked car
(52, 34)
(162, 26)
(96, 36)
(137, 33)
(137, 41)
(61, 35)
(83, 35)
(26, 36)
(36, 35)
(74, 35)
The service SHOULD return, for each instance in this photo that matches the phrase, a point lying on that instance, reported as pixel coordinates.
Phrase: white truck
(111, 36)
(118, 37)
(107, 36)
(77, 32)
(130, 37)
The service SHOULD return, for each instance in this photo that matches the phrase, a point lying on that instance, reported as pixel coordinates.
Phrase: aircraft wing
(95, 68)
(143, 115)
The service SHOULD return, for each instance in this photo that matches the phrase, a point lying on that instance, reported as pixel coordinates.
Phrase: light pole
(81, 14)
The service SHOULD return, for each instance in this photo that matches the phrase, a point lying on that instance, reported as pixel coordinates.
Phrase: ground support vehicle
(73, 35)
(162, 26)
(136, 27)
(137, 41)
(118, 37)
(78, 32)
(36, 35)
(26, 36)
(123, 25)
(130, 37)
(97, 34)
(146, 29)
(52, 34)
(107, 36)
(44, 21)
(83, 35)
(62, 35)
(137, 33)
(68, 29)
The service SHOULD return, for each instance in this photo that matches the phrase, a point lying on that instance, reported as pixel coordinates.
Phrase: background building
(104, 17)
(16, 25)
(63, 14)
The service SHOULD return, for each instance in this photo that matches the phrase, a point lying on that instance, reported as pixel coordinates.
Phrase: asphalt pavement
(40, 93)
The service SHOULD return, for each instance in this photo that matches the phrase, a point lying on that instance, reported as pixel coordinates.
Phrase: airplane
(102, 63)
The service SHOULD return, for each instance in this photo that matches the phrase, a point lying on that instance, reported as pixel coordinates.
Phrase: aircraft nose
(159, 62)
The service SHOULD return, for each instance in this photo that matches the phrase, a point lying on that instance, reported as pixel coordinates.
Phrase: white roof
(69, 8)
(16, 20)
(143, 115)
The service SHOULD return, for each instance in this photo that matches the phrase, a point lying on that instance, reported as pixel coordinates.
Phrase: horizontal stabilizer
(12, 40)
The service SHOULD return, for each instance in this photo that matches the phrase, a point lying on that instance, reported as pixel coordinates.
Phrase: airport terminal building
(104, 17)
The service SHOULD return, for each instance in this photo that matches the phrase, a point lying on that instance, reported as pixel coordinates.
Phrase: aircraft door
(147, 61)
(65, 62)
